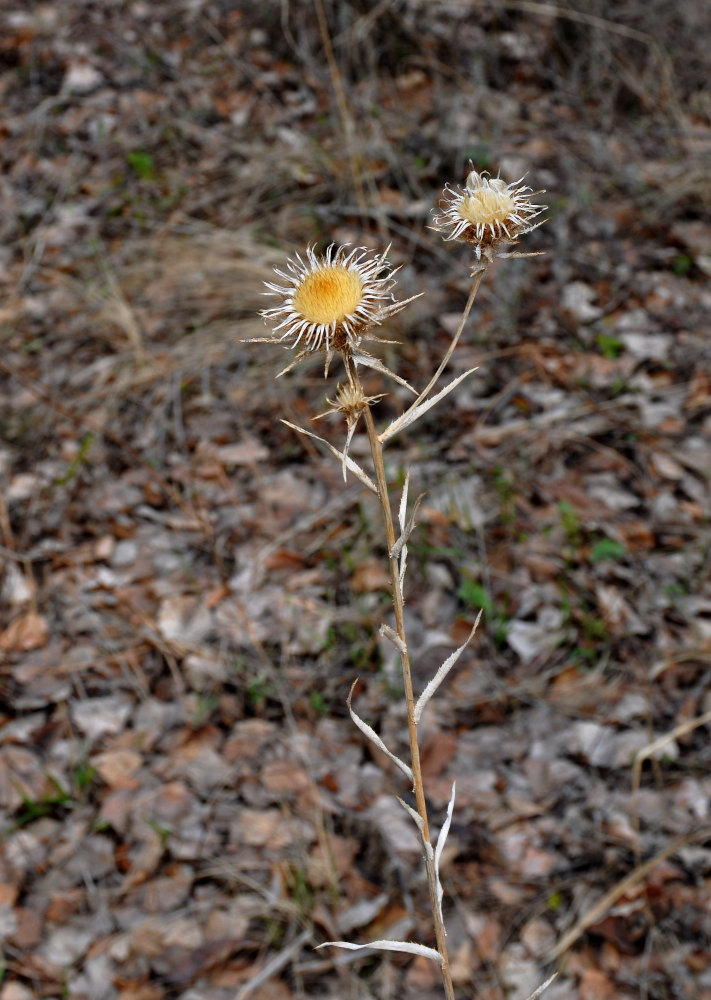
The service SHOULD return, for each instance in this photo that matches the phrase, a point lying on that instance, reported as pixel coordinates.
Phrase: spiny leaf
(409, 947)
(442, 673)
(418, 409)
(374, 738)
(353, 466)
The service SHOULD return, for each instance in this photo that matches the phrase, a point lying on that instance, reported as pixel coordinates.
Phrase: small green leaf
(163, 832)
(607, 548)
(78, 461)
(318, 703)
(570, 521)
(475, 595)
(682, 264)
(611, 347)
(479, 154)
(142, 163)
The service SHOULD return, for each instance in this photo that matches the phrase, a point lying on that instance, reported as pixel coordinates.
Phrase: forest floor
(188, 589)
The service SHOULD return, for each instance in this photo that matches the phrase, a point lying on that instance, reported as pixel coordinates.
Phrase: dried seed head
(329, 302)
(351, 401)
(487, 212)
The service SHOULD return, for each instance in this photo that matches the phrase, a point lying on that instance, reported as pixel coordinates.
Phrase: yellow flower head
(487, 212)
(329, 302)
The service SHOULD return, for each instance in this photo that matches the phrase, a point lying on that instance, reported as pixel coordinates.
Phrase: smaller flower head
(487, 212)
(350, 401)
(329, 302)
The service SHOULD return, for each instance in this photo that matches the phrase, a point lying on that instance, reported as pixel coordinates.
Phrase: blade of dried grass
(544, 986)
(681, 730)
(273, 966)
(611, 897)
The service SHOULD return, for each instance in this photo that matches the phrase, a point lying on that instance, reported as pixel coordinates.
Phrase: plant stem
(399, 608)
(445, 360)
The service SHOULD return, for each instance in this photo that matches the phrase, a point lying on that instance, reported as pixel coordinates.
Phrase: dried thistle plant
(329, 304)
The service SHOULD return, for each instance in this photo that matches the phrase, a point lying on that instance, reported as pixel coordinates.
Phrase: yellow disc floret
(329, 295)
(488, 206)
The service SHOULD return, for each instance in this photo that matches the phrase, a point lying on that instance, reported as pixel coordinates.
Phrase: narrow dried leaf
(418, 409)
(349, 438)
(389, 633)
(375, 739)
(409, 947)
(533, 253)
(441, 841)
(402, 512)
(403, 567)
(442, 673)
(353, 466)
(292, 364)
(406, 530)
(401, 543)
(370, 362)
(415, 816)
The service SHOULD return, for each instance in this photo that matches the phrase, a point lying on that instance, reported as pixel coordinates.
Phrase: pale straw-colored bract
(487, 212)
(330, 301)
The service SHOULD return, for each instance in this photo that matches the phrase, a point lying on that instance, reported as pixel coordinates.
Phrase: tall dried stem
(376, 449)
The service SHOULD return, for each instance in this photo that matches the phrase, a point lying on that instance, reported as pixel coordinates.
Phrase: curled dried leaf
(370, 733)
(408, 947)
